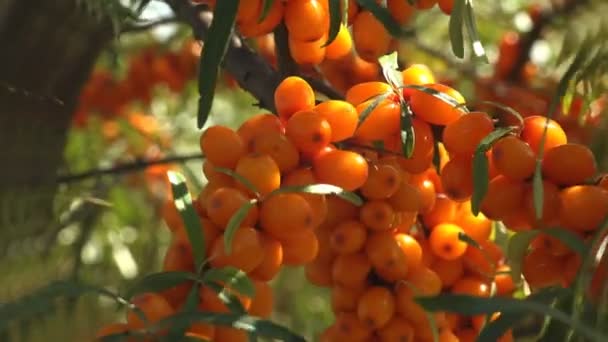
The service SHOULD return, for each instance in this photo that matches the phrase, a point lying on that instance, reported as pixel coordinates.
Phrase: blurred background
(138, 107)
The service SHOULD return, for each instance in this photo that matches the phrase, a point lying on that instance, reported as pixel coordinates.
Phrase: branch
(545, 19)
(138, 165)
(135, 28)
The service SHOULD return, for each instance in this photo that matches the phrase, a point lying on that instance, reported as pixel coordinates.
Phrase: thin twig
(137, 165)
(286, 64)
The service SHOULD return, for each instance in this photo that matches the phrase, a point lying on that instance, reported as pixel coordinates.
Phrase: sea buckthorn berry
(444, 211)
(318, 203)
(571, 268)
(426, 191)
(382, 121)
(306, 20)
(552, 244)
(541, 269)
(345, 169)
(307, 52)
(300, 249)
(411, 249)
(446, 6)
(345, 298)
(424, 147)
(213, 175)
(371, 38)
(583, 207)
(223, 203)
(227, 334)
(341, 46)
(293, 95)
(504, 196)
(341, 116)
(425, 4)
(350, 328)
(476, 261)
(513, 158)
(551, 203)
(222, 146)
(261, 171)
(365, 91)
(478, 228)
(534, 127)
(569, 164)
(285, 215)
(348, 237)
(246, 252)
(308, 131)
(339, 210)
(253, 28)
(248, 10)
(179, 258)
(457, 179)
(377, 215)
(471, 286)
(391, 255)
(152, 305)
(434, 110)
(449, 271)
(406, 198)
(279, 148)
(445, 241)
(376, 307)
(272, 260)
(318, 272)
(398, 329)
(351, 270)
(401, 11)
(382, 182)
(464, 135)
(262, 301)
(503, 281)
(259, 125)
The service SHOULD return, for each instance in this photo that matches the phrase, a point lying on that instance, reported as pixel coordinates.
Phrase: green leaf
(480, 166)
(192, 223)
(233, 278)
(538, 190)
(335, 20)
(216, 44)
(456, 35)
(369, 109)
(390, 65)
(471, 305)
(345, 4)
(495, 329)
(235, 223)
(384, 16)
(429, 316)
(157, 282)
(267, 5)
(469, 240)
(260, 327)
(442, 96)
(43, 299)
(322, 189)
(408, 135)
(469, 19)
(178, 330)
(231, 301)
(239, 179)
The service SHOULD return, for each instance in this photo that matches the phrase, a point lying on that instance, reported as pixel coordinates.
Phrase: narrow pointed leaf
(442, 96)
(373, 105)
(408, 136)
(390, 65)
(157, 282)
(267, 4)
(469, 20)
(335, 20)
(244, 181)
(456, 35)
(231, 301)
(216, 45)
(183, 202)
(234, 223)
(322, 189)
(233, 278)
(384, 16)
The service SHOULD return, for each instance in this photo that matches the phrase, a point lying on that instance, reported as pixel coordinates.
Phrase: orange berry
(386, 256)
(201, 331)
(534, 127)
(351, 270)
(376, 307)
(406, 198)
(223, 204)
(212, 175)
(345, 169)
(381, 122)
(339, 210)
(426, 191)
(259, 125)
(504, 282)
(434, 110)
(154, 308)
(279, 148)
(464, 135)
(401, 11)
(424, 146)
(246, 252)
(348, 237)
(222, 146)
(308, 131)
(286, 215)
(398, 329)
(345, 298)
(382, 182)
(261, 171)
(350, 328)
(471, 286)
(457, 179)
(341, 116)
(300, 249)
(541, 269)
(318, 203)
(583, 207)
(318, 272)
(371, 38)
(253, 28)
(444, 211)
(226, 334)
(504, 197)
(446, 6)
(425, 4)
(551, 203)
(365, 91)
(262, 301)
(569, 164)
(513, 158)
(445, 241)
(306, 20)
(377, 215)
(341, 46)
(293, 95)
(272, 260)
(449, 271)
(178, 258)
(478, 228)
(307, 52)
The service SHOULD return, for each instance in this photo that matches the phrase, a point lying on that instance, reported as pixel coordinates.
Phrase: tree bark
(48, 51)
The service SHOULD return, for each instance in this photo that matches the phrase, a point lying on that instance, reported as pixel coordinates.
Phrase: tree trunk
(48, 51)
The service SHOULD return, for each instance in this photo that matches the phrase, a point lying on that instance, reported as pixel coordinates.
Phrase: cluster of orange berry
(107, 96)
